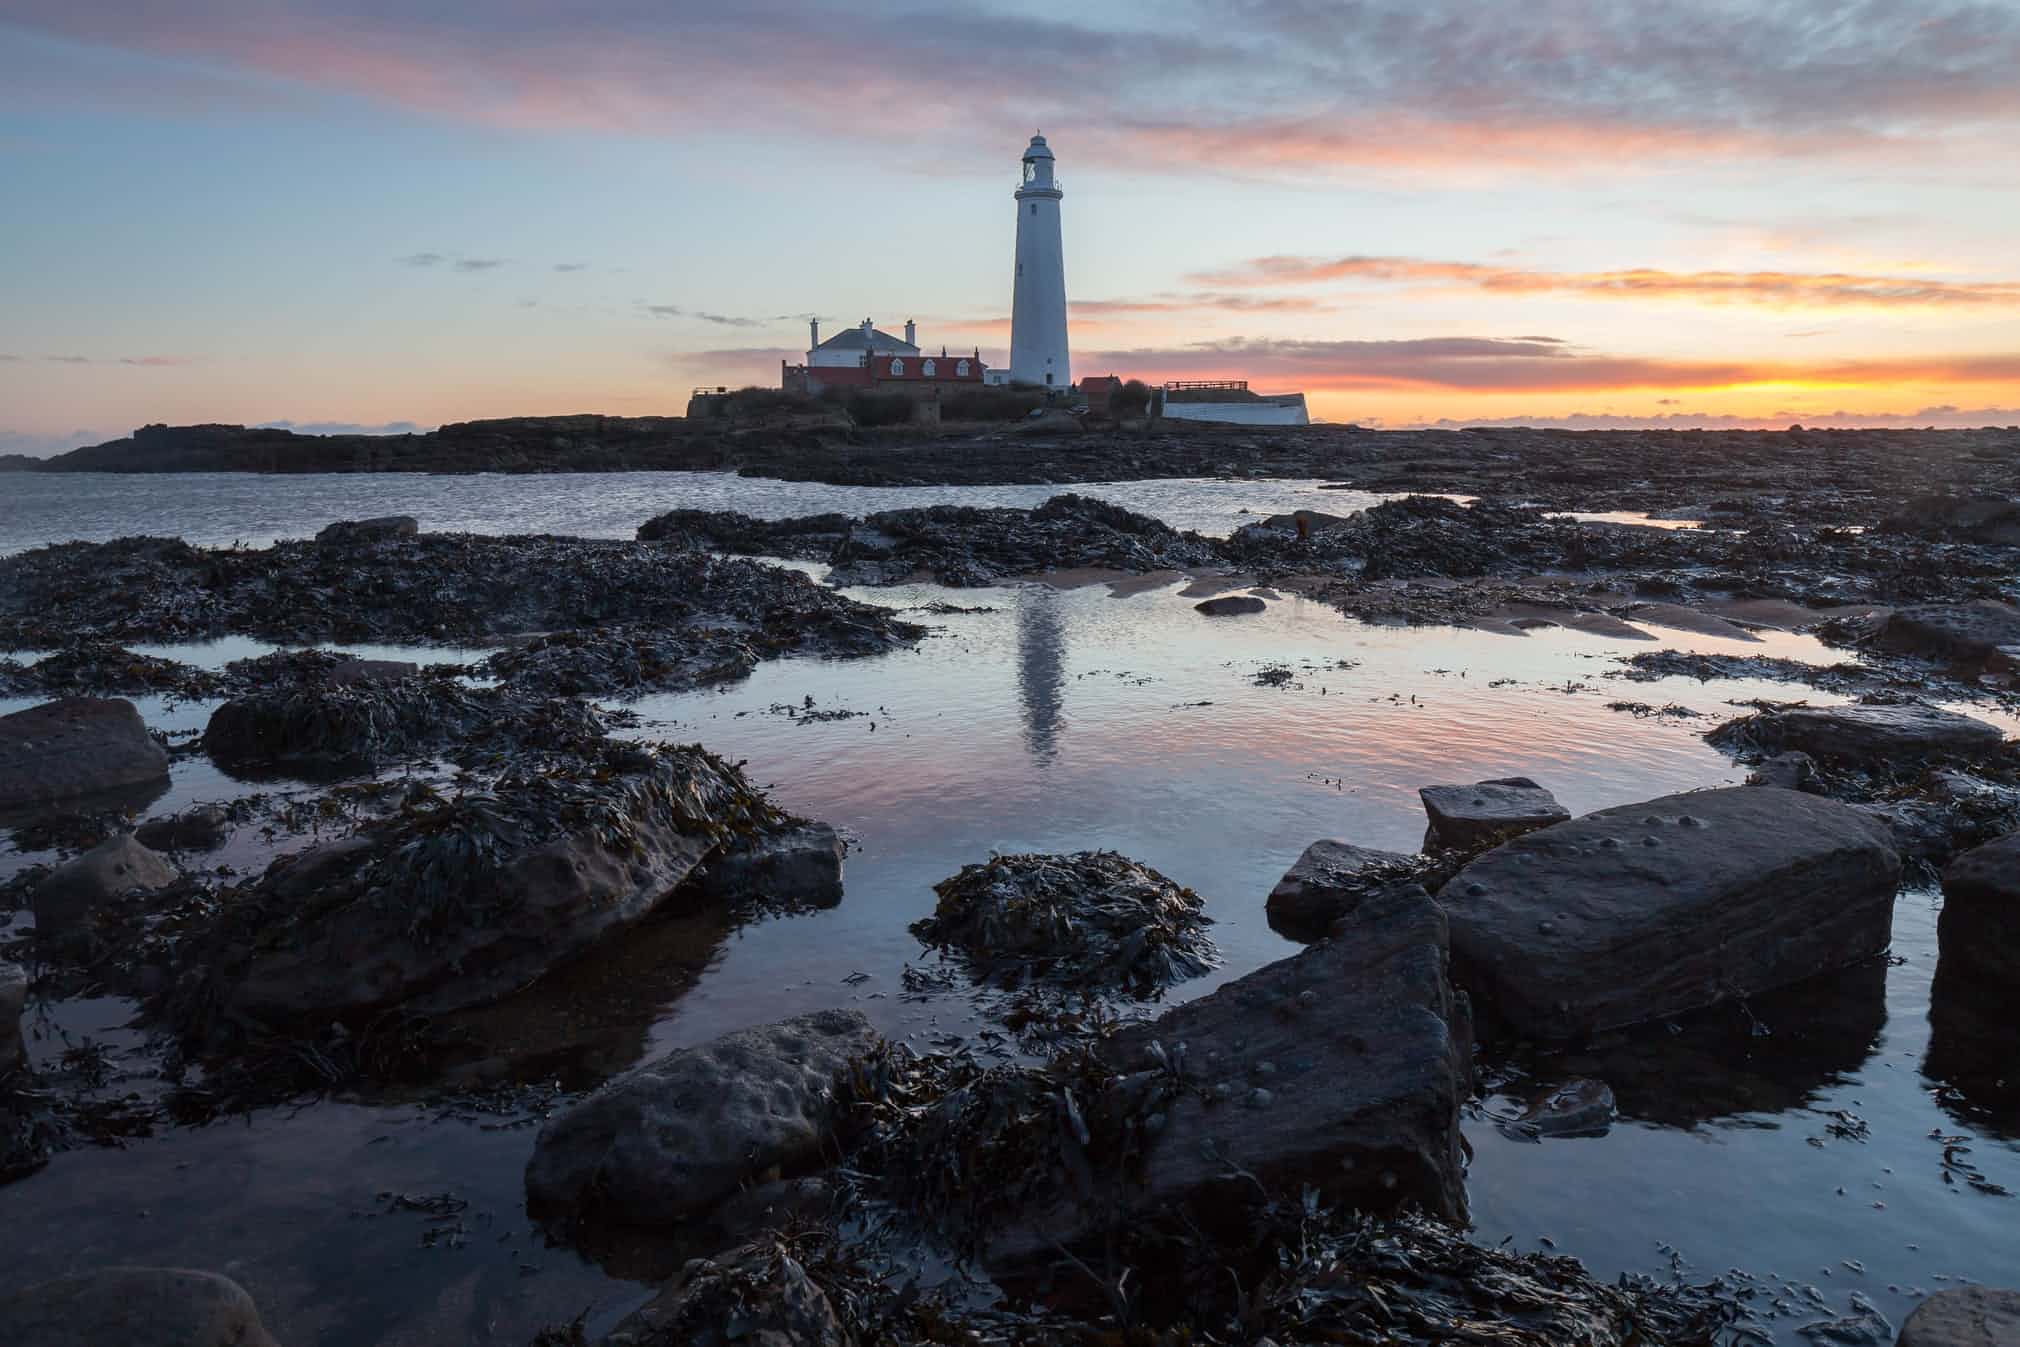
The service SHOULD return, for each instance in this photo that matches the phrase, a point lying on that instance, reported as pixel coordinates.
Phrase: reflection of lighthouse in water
(1041, 681)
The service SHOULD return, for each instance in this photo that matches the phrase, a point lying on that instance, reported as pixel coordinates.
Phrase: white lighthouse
(1038, 297)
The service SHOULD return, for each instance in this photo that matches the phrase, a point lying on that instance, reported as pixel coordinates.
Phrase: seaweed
(1095, 918)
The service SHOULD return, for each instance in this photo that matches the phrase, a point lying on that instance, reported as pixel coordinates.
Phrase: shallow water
(1064, 719)
(222, 509)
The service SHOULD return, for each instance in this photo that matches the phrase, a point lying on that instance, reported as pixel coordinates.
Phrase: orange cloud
(1526, 365)
(1771, 289)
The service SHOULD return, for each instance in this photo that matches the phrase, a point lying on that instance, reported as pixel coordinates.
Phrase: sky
(384, 214)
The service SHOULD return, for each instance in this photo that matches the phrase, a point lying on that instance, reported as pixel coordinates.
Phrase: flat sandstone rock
(1320, 888)
(1466, 816)
(75, 746)
(1955, 631)
(1858, 733)
(663, 1144)
(1652, 909)
(1965, 1316)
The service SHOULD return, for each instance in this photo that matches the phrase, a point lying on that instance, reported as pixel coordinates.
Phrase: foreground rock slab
(1342, 1068)
(663, 1144)
(75, 746)
(1966, 1316)
(1230, 605)
(1329, 880)
(133, 1307)
(1468, 816)
(1651, 909)
(1862, 733)
(800, 866)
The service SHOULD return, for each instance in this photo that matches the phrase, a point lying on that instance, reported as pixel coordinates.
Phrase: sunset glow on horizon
(342, 214)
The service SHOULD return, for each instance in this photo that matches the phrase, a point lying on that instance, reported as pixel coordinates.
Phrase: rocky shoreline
(1278, 1160)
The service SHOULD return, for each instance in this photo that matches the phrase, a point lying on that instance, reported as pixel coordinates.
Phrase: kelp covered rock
(435, 588)
(321, 707)
(462, 896)
(1093, 919)
(623, 661)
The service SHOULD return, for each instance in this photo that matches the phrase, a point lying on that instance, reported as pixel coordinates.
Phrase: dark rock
(1341, 1068)
(133, 1307)
(1092, 919)
(630, 661)
(1964, 1316)
(1794, 770)
(1979, 929)
(349, 531)
(1651, 909)
(1470, 816)
(13, 996)
(76, 746)
(457, 900)
(756, 1296)
(1328, 882)
(1861, 733)
(1973, 518)
(79, 887)
(1228, 605)
(670, 1140)
(203, 828)
(796, 866)
(1963, 632)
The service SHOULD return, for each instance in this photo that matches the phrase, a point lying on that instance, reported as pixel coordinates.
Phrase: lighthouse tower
(1038, 296)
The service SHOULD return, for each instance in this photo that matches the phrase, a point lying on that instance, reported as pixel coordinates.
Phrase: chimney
(911, 333)
(813, 333)
(868, 328)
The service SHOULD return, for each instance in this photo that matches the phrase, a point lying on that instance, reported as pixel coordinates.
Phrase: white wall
(1283, 410)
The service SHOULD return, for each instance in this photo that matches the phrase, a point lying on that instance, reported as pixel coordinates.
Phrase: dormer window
(927, 369)
(961, 369)
(897, 367)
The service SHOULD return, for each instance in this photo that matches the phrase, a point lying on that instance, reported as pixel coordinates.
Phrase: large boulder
(1964, 1316)
(1487, 811)
(133, 1307)
(457, 900)
(13, 998)
(1978, 932)
(1861, 733)
(1961, 632)
(116, 866)
(75, 746)
(1651, 909)
(1327, 883)
(1342, 1068)
(666, 1142)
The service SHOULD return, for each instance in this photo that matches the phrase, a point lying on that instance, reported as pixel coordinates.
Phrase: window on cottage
(1020, 268)
(1034, 208)
(962, 368)
(927, 369)
(897, 367)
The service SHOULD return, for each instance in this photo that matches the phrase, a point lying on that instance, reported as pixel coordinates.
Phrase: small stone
(1259, 1097)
